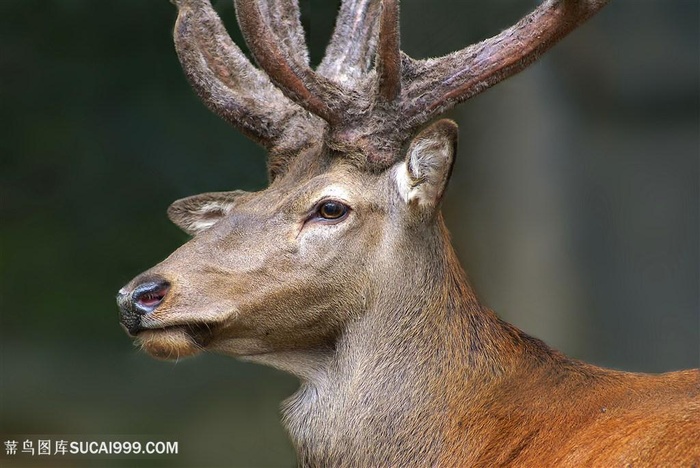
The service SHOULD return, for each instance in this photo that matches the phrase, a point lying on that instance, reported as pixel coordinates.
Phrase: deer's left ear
(422, 178)
(199, 212)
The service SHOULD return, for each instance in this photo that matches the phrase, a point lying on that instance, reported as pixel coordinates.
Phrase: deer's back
(581, 416)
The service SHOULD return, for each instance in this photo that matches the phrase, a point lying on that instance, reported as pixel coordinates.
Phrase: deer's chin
(170, 343)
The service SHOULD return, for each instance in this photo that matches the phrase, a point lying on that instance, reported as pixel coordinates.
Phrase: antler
(314, 92)
(230, 85)
(351, 50)
(389, 53)
(419, 90)
(369, 112)
(439, 84)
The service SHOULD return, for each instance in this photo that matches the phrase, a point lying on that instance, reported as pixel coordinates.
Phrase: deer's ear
(200, 212)
(422, 178)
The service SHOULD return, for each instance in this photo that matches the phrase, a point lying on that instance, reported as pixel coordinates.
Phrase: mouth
(174, 341)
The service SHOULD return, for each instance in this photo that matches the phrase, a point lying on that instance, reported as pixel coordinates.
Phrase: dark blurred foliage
(574, 205)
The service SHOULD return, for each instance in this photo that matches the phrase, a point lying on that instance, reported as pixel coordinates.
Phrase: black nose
(142, 300)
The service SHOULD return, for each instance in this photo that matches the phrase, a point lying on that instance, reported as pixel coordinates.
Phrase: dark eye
(331, 210)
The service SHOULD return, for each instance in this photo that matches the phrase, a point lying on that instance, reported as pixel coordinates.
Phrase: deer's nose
(139, 301)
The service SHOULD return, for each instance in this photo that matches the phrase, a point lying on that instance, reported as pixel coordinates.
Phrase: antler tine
(285, 20)
(226, 81)
(350, 52)
(388, 62)
(467, 72)
(308, 89)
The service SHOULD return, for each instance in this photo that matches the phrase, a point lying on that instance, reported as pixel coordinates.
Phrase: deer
(341, 272)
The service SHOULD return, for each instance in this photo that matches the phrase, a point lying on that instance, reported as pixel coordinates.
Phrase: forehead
(336, 171)
(339, 179)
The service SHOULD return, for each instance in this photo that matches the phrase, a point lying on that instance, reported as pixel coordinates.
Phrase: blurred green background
(574, 207)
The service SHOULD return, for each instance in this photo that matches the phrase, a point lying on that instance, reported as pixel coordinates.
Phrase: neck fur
(380, 386)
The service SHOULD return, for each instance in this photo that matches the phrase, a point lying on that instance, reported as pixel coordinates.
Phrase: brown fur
(399, 363)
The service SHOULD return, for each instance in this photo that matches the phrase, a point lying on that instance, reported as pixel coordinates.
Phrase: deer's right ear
(422, 178)
(200, 212)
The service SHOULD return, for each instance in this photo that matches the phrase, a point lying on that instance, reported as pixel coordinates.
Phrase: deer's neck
(374, 397)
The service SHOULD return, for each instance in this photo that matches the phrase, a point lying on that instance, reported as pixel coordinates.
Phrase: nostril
(148, 296)
(151, 299)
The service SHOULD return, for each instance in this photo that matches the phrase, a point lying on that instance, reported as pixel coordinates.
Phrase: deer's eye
(332, 210)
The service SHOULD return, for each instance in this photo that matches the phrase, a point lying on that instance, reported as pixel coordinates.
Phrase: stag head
(356, 175)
